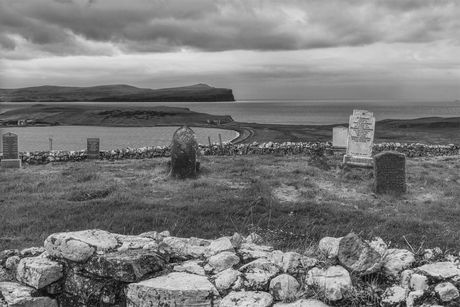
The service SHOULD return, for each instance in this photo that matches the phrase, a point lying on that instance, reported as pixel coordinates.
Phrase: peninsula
(115, 93)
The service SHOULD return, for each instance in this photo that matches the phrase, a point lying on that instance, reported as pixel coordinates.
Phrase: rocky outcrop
(98, 268)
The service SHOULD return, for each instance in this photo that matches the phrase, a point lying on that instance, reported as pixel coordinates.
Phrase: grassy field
(291, 201)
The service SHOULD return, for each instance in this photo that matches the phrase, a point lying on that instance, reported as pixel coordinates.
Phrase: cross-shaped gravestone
(390, 173)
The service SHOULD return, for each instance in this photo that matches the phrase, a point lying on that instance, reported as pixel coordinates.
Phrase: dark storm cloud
(209, 25)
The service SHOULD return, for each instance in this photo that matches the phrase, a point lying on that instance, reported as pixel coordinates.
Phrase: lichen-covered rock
(78, 246)
(394, 296)
(357, 256)
(5, 275)
(132, 242)
(440, 270)
(7, 254)
(174, 289)
(11, 263)
(223, 261)
(181, 248)
(126, 266)
(284, 287)
(31, 252)
(418, 282)
(247, 299)
(412, 297)
(17, 295)
(38, 272)
(228, 279)
(291, 262)
(90, 291)
(333, 281)
(395, 261)
(302, 303)
(220, 245)
(258, 274)
(378, 245)
(329, 246)
(446, 291)
(191, 266)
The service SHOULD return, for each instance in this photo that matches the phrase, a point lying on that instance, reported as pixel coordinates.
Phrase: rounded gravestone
(183, 154)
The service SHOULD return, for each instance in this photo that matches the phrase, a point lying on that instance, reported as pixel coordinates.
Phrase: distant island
(116, 93)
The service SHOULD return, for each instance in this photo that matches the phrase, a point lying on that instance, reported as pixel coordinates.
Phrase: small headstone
(10, 151)
(184, 154)
(390, 173)
(360, 139)
(339, 137)
(92, 149)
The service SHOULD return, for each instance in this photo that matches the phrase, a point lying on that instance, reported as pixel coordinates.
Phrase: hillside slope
(116, 92)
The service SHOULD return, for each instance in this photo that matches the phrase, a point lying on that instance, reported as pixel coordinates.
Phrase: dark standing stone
(92, 151)
(390, 173)
(184, 153)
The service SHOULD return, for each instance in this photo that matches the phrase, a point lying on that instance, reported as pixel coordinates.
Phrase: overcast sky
(306, 49)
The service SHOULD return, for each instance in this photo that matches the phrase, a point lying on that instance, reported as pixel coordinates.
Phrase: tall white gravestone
(360, 139)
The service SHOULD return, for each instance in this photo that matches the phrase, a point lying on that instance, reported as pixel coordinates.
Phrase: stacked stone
(229, 149)
(98, 268)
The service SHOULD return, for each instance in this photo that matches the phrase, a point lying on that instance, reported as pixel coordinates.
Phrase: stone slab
(361, 134)
(355, 161)
(11, 163)
(92, 148)
(10, 146)
(174, 289)
(38, 272)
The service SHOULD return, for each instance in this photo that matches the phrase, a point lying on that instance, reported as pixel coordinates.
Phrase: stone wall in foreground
(98, 268)
(228, 149)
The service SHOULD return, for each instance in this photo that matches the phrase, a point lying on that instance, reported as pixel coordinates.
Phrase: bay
(74, 137)
(301, 112)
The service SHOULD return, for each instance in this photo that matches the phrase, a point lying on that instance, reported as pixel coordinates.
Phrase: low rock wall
(228, 149)
(96, 268)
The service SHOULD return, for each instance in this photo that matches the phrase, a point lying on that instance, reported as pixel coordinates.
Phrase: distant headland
(116, 93)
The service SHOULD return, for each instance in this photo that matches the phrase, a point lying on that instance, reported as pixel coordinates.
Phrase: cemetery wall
(98, 268)
(228, 149)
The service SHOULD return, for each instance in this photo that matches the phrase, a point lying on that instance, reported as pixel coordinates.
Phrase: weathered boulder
(302, 303)
(191, 266)
(357, 256)
(228, 279)
(258, 273)
(38, 272)
(396, 260)
(17, 295)
(223, 261)
(329, 246)
(80, 245)
(418, 282)
(333, 281)
(184, 154)
(394, 296)
(174, 289)
(247, 299)
(182, 248)
(446, 291)
(284, 287)
(440, 270)
(126, 266)
(89, 291)
(220, 245)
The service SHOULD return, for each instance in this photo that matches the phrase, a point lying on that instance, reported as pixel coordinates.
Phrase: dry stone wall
(229, 149)
(98, 268)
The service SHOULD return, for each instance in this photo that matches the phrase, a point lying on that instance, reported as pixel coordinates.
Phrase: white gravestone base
(358, 161)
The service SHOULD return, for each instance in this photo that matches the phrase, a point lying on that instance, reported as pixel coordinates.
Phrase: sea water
(299, 112)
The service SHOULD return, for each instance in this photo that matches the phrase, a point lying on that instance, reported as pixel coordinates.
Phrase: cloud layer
(81, 27)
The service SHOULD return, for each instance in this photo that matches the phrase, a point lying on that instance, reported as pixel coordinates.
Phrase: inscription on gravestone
(390, 173)
(361, 135)
(10, 146)
(92, 150)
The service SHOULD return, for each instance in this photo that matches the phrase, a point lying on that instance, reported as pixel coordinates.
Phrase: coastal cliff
(116, 92)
